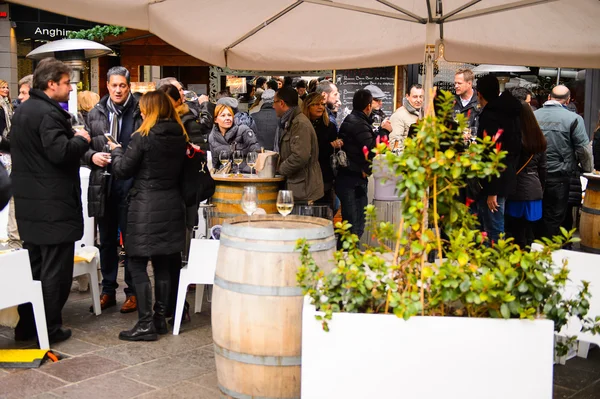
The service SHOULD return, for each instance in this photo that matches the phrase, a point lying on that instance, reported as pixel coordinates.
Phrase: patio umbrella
(323, 34)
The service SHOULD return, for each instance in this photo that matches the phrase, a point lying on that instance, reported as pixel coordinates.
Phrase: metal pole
(558, 76)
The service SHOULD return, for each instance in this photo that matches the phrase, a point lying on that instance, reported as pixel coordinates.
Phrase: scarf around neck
(283, 124)
(410, 108)
(8, 112)
(116, 114)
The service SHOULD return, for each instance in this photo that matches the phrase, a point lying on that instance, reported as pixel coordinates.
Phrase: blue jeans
(354, 200)
(491, 222)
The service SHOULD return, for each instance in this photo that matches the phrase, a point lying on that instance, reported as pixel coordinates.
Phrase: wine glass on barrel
(249, 201)
(285, 202)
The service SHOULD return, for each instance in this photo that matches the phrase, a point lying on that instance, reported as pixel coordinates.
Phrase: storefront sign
(38, 31)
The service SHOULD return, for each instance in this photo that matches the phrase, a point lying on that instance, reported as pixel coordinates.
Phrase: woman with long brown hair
(155, 221)
(524, 206)
(314, 107)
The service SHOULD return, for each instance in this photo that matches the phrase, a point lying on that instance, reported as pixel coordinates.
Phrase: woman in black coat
(314, 109)
(524, 204)
(156, 221)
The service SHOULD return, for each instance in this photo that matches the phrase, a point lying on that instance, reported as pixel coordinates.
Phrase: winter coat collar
(43, 96)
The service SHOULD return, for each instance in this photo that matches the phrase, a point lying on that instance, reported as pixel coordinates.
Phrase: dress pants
(554, 207)
(53, 266)
(115, 218)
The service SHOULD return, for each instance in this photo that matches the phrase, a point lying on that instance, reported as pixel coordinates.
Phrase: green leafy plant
(98, 32)
(471, 276)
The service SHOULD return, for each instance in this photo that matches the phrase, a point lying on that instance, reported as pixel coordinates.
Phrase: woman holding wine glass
(226, 136)
(155, 221)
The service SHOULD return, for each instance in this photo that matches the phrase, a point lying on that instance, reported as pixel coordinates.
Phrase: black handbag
(196, 182)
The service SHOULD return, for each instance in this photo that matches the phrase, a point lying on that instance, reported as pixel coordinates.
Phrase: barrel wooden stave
(589, 225)
(284, 382)
(250, 328)
(228, 198)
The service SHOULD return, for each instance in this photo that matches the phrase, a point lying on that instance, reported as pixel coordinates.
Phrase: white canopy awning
(323, 34)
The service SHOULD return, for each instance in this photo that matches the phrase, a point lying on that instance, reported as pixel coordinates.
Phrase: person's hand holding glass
(285, 202)
(78, 125)
(249, 201)
(251, 160)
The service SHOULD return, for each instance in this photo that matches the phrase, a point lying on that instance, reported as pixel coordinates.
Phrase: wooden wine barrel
(228, 195)
(589, 226)
(257, 304)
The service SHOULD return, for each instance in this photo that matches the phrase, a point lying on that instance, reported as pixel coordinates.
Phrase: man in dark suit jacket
(46, 153)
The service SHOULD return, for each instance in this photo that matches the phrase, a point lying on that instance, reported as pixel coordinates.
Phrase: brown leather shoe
(106, 301)
(130, 304)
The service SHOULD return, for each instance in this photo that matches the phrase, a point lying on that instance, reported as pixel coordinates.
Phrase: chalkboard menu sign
(350, 80)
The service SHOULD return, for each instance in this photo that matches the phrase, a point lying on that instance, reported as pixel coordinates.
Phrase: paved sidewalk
(99, 365)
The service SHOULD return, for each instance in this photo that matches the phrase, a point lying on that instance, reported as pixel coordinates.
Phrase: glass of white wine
(249, 201)
(77, 121)
(224, 157)
(376, 122)
(238, 158)
(285, 202)
(251, 160)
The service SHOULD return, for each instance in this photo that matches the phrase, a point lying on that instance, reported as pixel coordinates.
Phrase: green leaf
(523, 287)
(505, 311)
(463, 258)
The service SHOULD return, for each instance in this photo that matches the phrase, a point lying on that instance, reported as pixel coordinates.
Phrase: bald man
(568, 151)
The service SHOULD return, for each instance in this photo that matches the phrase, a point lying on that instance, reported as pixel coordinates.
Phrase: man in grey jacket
(568, 146)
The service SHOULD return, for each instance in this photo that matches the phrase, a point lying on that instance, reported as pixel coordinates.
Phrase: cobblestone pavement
(99, 365)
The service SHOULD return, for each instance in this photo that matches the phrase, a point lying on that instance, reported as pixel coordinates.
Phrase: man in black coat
(498, 113)
(5, 192)
(351, 183)
(118, 114)
(45, 158)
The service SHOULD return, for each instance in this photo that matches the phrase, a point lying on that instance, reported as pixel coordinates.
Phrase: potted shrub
(478, 322)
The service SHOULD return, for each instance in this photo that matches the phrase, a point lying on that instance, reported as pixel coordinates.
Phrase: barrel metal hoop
(237, 201)
(590, 210)
(258, 290)
(254, 247)
(240, 230)
(221, 189)
(237, 395)
(589, 249)
(257, 359)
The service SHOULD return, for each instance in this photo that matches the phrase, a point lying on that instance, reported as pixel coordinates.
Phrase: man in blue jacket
(568, 146)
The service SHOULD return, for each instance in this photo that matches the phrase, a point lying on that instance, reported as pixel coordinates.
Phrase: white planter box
(382, 356)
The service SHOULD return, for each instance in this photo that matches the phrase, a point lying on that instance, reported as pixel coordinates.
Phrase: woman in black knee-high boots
(156, 219)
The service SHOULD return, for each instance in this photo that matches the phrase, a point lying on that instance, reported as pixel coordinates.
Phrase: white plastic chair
(87, 244)
(17, 287)
(200, 270)
(91, 269)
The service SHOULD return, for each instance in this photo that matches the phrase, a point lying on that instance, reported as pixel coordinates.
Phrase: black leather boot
(144, 329)
(161, 303)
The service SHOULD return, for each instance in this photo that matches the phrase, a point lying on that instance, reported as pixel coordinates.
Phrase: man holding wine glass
(46, 153)
(114, 118)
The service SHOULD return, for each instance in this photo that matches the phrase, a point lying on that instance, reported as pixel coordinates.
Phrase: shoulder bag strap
(523, 167)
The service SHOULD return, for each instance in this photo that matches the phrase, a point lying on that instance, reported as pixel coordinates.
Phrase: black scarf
(116, 115)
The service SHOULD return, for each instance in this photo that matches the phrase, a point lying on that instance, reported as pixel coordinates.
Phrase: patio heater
(502, 72)
(74, 53)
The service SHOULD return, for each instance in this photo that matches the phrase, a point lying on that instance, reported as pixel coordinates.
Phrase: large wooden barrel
(589, 226)
(228, 195)
(257, 305)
